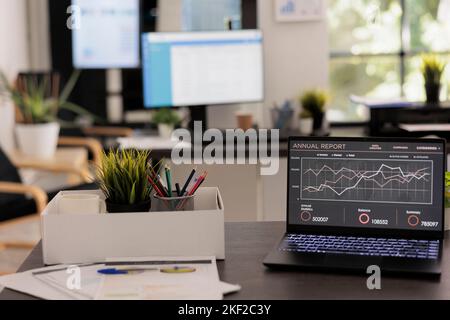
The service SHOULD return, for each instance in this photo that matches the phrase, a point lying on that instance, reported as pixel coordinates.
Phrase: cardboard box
(88, 238)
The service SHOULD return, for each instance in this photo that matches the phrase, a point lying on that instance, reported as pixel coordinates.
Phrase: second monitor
(202, 68)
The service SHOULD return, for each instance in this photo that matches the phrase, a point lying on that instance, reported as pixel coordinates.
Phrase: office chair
(18, 200)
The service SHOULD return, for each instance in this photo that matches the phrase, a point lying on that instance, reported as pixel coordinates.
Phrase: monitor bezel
(342, 230)
(231, 102)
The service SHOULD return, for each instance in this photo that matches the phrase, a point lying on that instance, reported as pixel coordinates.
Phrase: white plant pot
(7, 122)
(165, 130)
(306, 125)
(38, 140)
(447, 219)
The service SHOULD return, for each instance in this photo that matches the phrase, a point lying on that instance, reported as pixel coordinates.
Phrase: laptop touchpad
(356, 262)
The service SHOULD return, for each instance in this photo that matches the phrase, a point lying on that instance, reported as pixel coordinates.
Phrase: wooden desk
(248, 243)
(72, 161)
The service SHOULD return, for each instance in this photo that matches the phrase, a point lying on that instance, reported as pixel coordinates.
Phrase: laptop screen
(365, 183)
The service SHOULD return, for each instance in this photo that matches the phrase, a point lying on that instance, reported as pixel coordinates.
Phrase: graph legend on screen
(367, 180)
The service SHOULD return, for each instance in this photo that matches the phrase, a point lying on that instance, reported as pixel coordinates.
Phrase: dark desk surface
(248, 243)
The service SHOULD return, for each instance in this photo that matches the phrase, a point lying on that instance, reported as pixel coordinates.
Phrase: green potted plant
(122, 177)
(432, 70)
(166, 119)
(313, 104)
(447, 200)
(38, 133)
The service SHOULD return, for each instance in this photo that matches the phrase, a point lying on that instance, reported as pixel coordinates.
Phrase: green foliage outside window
(366, 39)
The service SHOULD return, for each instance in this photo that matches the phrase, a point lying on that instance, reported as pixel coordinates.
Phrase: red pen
(197, 184)
(157, 180)
(155, 187)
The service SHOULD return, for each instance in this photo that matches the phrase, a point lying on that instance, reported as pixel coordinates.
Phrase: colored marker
(177, 186)
(187, 182)
(197, 184)
(169, 181)
(155, 187)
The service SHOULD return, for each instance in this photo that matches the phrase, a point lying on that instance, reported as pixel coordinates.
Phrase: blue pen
(112, 271)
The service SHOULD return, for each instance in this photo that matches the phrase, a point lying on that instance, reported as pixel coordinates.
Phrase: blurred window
(375, 50)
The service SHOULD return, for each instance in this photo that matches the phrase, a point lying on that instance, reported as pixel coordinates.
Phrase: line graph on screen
(367, 180)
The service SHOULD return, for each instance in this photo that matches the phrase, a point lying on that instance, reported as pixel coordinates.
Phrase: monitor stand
(198, 113)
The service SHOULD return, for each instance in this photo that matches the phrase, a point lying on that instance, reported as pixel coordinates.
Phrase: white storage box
(88, 238)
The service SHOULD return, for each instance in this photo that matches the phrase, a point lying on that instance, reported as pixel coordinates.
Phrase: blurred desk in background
(386, 120)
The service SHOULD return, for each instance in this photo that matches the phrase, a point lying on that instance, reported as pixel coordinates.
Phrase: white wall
(13, 58)
(13, 36)
(169, 15)
(296, 56)
(24, 34)
(39, 45)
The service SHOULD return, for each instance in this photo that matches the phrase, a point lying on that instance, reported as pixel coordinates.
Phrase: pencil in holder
(172, 203)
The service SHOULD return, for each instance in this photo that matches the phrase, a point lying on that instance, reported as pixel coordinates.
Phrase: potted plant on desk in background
(166, 119)
(432, 70)
(122, 177)
(38, 103)
(313, 104)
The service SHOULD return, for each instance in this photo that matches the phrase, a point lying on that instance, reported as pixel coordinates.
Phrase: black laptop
(357, 202)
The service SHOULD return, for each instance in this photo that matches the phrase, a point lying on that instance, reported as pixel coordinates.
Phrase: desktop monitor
(105, 34)
(202, 68)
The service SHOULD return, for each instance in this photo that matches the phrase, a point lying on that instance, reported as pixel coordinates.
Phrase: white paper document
(27, 283)
(159, 278)
(164, 282)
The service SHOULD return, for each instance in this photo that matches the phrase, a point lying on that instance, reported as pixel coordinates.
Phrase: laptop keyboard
(399, 248)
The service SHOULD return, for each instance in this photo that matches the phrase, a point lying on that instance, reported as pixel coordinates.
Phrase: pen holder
(160, 204)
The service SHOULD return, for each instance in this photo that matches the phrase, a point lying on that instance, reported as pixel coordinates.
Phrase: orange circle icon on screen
(413, 221)
(364, 218)
(305, 216)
